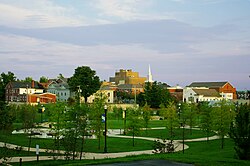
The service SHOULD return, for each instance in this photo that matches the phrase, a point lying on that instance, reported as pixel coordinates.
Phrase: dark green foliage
(135, 122)
(240, 132)
(222, 114)
(205, 118)
(154, 95)
(6, 118)
(43, 79)
(85, 79)
(4, 80)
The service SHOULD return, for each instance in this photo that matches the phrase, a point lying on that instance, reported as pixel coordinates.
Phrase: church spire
(150, 77)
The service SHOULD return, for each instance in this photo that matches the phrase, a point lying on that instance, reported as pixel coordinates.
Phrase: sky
(183, 41)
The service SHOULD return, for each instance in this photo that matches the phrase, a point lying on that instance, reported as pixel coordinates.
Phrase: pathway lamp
(105, 133)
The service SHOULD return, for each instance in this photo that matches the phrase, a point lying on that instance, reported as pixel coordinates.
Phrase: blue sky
(182, 40)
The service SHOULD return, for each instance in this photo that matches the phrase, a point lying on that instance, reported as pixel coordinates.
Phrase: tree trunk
(222, 141)
(82, 147)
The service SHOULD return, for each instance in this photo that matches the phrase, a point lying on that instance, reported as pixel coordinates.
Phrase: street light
(105, 134)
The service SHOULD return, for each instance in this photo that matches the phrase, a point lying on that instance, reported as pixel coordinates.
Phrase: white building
(195, 95)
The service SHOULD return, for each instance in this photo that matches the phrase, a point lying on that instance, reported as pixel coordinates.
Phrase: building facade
(60, 88)
(127, 77)
(19, 91)
(209, 91)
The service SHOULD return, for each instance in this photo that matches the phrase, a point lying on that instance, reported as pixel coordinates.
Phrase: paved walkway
(111, 133)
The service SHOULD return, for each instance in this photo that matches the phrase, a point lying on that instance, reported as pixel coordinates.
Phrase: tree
(43, 79)
(84, 79)
(28, 115)
(60, 76)
(146, 115)
(189, 111)
(4, 80)
(240, 132)
(171, 117)
(206, 120)
(6, 118)
(27, 79)
(222, 115)
(97, 109)
(154, 95)
(134, 122)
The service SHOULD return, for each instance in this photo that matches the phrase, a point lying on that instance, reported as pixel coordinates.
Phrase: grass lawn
(91, 145)
(119, 124)
(17, 153)
(199, 153)
(164, 133)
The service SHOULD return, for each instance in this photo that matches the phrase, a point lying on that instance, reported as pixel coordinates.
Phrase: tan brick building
(127, 77)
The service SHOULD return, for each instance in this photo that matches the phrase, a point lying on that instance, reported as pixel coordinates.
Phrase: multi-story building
(127, 77)
(27, 92)
(60, 88)
(106, 91)
(209, 91)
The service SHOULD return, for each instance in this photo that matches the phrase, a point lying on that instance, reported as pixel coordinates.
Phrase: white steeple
(150, 77)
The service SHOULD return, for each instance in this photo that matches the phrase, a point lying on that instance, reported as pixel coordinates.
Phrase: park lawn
(165, 134)
(207, 153)
(18, 153)
(119, 124)
(199, 153)
(91, 145)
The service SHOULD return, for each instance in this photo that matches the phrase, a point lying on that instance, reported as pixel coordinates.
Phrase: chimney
(33, 84)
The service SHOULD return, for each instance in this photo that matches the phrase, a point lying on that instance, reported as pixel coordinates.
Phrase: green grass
(199, 153)
(18, 153)
(119, 124)
(164, 133)
(91, 145)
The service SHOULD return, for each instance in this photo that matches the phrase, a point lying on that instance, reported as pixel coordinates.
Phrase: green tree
(154, 95)
(206, 119)
(96, 111)
(189, 111)
(171, 116)
(146, 115)
(27, 79)
(135, 122)
(85, 79)
(27, 116)
(43, 79)
(57, 116)
(240, 132)
(4, 80)
(60, 76)
(6, 118)
(222, 115)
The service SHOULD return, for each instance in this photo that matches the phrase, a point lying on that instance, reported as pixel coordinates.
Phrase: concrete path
(111, 133)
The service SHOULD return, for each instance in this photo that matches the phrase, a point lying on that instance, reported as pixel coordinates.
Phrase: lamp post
(124, 116)
(105, 134)
(179, 111)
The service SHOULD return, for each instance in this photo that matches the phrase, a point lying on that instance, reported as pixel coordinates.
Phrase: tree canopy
(154, 95)
(84, 81)
(43, 79)
(4, 80)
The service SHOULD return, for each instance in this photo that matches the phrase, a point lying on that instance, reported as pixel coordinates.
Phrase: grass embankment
(199, 153)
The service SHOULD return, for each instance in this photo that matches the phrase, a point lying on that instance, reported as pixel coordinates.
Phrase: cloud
(29, 13)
